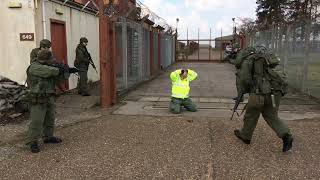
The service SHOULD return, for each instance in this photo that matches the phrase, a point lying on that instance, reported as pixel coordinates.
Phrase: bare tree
(247, 25)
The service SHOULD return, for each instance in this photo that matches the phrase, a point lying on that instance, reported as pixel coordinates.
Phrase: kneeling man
(180, 90)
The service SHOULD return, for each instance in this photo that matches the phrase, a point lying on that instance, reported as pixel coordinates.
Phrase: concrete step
(214, 110)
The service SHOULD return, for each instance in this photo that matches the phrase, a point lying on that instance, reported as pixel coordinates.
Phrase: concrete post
(124, 53)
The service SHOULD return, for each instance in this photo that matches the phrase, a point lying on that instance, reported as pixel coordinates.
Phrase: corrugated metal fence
(141, 53)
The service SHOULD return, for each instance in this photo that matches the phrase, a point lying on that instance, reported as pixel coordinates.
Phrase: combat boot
(34, 147)
(287, 142)
(52, 140)
(85, 94)
(238, 135)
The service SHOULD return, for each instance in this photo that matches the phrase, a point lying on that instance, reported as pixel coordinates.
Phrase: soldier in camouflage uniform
(266, 89)
(44, 44)
(82, 63)
(240, 57)
(42, 79)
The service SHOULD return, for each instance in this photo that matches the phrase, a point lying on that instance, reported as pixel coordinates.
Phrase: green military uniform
(42, 80)
(265, 100)
(180, 92)
(34, 53)
(240, 56)
(82, 63)
(262, 104)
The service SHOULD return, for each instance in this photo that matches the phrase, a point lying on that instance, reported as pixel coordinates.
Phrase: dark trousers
(83, 82)
(177, 103)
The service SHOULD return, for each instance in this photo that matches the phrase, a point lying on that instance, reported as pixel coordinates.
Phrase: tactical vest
(268, 80)
(81, 54)
(40, 87)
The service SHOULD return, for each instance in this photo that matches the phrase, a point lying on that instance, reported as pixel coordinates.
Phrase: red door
(59, 48)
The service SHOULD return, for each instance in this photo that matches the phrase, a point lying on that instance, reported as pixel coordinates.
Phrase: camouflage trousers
(176, 104)
(262, 104)
(83, 81)
(42, 119)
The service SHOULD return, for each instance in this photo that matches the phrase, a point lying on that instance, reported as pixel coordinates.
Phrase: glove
(73, 70)
(61, 71)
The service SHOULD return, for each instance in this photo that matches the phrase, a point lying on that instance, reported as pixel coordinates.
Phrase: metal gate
(202, 50)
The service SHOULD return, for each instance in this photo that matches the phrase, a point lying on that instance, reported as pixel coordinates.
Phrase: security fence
(167, 51)
(142, 51)
(298, 46)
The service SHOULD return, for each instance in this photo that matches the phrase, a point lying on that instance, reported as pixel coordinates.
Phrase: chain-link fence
(167, 51)
(141, 52)
(298, 46)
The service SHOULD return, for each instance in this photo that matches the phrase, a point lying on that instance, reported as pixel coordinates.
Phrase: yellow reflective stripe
(179, 95)
(181, 85)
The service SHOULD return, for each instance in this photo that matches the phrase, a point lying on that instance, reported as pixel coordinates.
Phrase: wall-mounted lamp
(14, 4)
(59, 11)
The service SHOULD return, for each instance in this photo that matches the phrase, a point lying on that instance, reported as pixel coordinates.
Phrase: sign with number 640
(26, 36)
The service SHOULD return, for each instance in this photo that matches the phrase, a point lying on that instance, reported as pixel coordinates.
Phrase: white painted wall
(78, 24)
(13, 52)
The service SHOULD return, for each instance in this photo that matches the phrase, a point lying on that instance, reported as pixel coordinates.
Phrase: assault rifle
(63, 68)
(236, 105)
(92, 63)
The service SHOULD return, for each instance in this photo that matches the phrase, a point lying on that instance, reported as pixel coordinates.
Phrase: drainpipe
(44, 20)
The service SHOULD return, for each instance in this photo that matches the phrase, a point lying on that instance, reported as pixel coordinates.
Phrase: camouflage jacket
(82, 57)
(34, 54)
(42, 79)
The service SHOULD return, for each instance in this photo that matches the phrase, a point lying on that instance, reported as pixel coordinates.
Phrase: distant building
(221, 42)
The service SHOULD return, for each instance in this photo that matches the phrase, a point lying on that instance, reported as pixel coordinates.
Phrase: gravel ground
(144, 147)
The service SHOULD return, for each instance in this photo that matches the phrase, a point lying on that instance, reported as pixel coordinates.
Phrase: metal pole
(124, 53)
(187, 53)
(286, 48)
(113, 63)
(198, 44)
(307, 58)
(44, 20)
(210, 46)
(221, 46)
(141, 64)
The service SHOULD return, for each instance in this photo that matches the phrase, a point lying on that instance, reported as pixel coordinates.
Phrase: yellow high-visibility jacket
(181, 88)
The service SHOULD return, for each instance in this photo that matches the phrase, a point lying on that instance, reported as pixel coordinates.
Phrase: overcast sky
(202, 14)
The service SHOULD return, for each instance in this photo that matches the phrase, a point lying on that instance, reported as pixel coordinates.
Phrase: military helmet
(83, 40)
(44, 56)
(45, 43)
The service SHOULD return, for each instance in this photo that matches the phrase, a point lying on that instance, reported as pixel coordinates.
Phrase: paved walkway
(212, 92)
(121, 145)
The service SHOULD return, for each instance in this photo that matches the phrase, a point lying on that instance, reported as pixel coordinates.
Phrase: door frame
(65, 41)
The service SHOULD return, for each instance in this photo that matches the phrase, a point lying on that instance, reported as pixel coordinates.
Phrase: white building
(26, 22)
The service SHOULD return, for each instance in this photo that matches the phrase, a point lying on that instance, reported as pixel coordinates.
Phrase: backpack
(268, 81)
